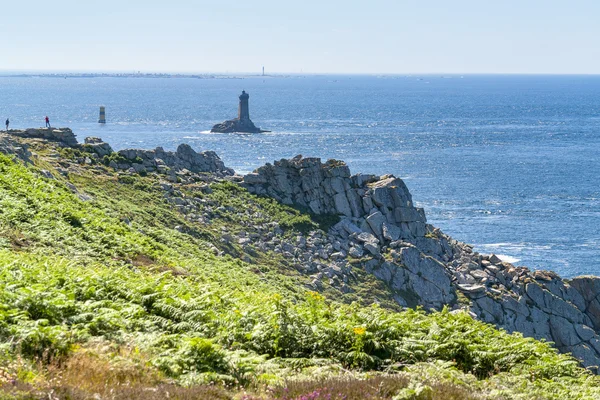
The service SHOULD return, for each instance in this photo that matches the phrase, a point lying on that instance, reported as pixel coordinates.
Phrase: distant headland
(133, 75)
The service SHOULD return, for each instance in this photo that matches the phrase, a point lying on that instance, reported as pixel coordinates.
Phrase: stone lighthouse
(242, 123)
(243, 111)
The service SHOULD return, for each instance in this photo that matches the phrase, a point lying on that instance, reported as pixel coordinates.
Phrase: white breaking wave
(508, 259)
(512, 247)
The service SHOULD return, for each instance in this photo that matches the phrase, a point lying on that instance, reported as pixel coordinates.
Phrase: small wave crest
(511, 247)
(508, 259)
(210, 133)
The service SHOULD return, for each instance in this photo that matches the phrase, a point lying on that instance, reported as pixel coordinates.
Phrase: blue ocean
(509, 164)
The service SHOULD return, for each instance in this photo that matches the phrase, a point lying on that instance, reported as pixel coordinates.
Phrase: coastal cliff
(297, 227)
(385, 234)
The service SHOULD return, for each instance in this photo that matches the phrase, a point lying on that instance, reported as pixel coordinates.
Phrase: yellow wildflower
(360, 330)
(315, 296)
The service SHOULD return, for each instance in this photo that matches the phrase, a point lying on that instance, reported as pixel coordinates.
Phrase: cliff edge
(383, 232)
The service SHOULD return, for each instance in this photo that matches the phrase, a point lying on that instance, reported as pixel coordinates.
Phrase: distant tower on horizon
(243, 109)
(263, 71)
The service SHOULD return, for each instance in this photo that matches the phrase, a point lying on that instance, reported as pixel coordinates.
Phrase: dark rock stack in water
(242, 123)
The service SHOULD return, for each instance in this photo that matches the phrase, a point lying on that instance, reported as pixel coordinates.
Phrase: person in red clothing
(47, 122)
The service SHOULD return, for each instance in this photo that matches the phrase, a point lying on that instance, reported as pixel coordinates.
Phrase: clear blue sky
(312, 36)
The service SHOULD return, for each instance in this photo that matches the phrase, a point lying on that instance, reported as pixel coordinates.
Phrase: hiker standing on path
(47, 122)
(7, 122)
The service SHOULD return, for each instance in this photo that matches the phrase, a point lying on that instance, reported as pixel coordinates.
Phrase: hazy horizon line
(282, 73)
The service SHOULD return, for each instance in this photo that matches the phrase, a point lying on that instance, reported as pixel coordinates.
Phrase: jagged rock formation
(98, 146)
(62, 135)
(385, 234)
(185, 158)
(379, 219)
(182, 161)
(538, 304)
(381, 206)
(8, 146)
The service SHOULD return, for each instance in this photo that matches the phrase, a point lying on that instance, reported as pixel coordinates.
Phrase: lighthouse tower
(243, 111)
(242, 123)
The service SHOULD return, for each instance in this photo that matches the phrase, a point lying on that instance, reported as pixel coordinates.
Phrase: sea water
(509, 164)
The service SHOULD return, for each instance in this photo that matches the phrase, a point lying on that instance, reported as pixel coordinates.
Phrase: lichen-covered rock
(98, 146)
(185, 158)
(8, 146)
(328, 188)
(63, 135)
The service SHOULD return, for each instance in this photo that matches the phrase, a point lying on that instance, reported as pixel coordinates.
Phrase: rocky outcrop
(62, 135)
(538, 304)
(184, 160)
(379, 205)
(378, 225)
(176, 165)
(159, 160)
(383, 233)
(8, 146)
(98, 146)
(236, 125)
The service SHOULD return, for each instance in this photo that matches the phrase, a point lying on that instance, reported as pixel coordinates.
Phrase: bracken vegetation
(102, 298)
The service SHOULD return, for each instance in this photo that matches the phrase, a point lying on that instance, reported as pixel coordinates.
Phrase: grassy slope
(106, 291)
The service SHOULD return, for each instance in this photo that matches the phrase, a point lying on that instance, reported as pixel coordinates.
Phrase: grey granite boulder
(185, 158)
(98, 146)
(329, 188)
(62, 135)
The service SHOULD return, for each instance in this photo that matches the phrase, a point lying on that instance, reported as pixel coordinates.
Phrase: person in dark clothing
(7, 122)
(47, 122)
